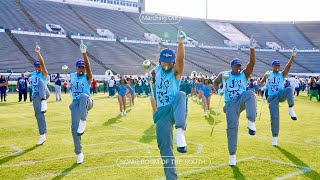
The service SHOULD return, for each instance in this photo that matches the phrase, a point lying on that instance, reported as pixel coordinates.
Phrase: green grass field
(109, 139)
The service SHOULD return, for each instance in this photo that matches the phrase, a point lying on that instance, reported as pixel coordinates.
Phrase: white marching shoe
(292, 114)
(232, 160)
(80, 158)
(42, 139)
(181, 141)
(252, 128)
(81, 127)
(275, 141)
(44, 106)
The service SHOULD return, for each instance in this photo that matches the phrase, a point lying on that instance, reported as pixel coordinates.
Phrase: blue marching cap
(80, 62)
(235, 61)
(275, 62)
(36, 63)
(167, 55)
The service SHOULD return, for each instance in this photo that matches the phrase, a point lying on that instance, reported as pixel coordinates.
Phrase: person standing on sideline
(111, 86)
(57, 87)
(81, 103)
(21, 87)
(171, 105)
(3, 88)
(237, 98)
(277, 92)
(65, 86)
(313, 88)
(40, 94)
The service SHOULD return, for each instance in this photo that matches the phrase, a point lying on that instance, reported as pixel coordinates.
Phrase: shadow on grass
(9, 103)
(312, 174)
(65, 172)
(149, 134)
(236, 173)
(112, 121)
(9, 158)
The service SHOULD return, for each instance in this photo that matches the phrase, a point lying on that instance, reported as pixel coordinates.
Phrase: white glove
(294, 51)
(181, 36)
(253, 42)
(267, 74)
(17, 90)
(37, 48)
(221, 92)
(83, 48)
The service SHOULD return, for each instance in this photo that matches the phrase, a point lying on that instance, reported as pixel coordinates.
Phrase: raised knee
(180, 94)
(249, 93)
(83, 96)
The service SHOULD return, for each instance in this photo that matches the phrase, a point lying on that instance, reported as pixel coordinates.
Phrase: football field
(118, 147)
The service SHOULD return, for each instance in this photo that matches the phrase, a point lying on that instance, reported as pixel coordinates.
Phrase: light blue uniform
(122, 90)
(237, 99)
(133, 89)
(172, 109)
(200, 86)
(39, 92)
(277, 93)
(81, 104)
(206, 91)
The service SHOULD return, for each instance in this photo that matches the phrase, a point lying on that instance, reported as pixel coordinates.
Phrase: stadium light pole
(206, 9)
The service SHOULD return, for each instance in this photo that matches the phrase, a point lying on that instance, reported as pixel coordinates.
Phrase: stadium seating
(289, 35)
(115, 21)
(311, 31)
(201, 32)
(46, 12)
(261, 34)
(11, 57)
(11, 16)
(126, 58)
(56, 52)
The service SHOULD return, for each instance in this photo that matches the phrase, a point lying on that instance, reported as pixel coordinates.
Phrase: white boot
(181, 141)
(274, 141)
(42, 139)
(44, 106)
(252, 128)
(80, 158)
(232, 160)
(81, 127)
(292, 114)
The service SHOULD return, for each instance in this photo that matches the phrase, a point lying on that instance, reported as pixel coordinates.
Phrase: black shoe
(251, 132)
(182, 149)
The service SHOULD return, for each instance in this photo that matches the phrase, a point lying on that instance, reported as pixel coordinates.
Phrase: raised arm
(287, 67)
(179, 65)
(249, 69)
(217, 81)
(83, 49)
(42, 66)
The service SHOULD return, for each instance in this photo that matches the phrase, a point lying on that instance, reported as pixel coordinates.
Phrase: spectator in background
(65, 86)
(94, 86)
(313, 88)
(57, 87)
(22, 84)
(111, 86)
(293, 83)
(105, 87)
(3, 88)
(298, 85)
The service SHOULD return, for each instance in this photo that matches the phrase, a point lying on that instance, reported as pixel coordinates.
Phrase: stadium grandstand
(120, 37)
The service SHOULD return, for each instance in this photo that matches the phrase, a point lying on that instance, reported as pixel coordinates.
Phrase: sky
(243, 10)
